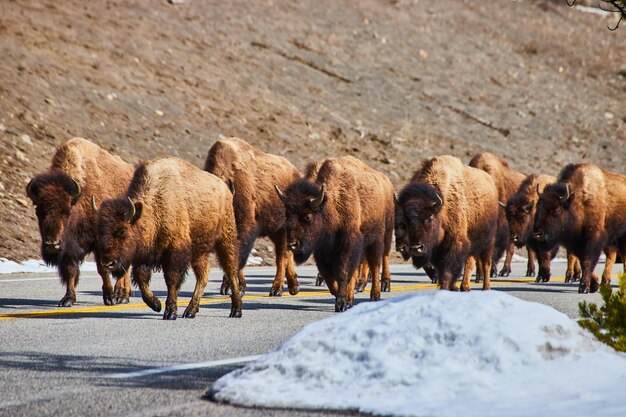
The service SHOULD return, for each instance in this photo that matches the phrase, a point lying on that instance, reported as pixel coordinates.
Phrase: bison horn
(395, 198)
(93, 204)
(502, 204)
(77, 189)
(538, 192)
(280, 193)
(317, 201)
(439, 201)
(128, 215)
(565, 197)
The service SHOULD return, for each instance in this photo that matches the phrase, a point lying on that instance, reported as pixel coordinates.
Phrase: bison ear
(528, 207)
(73, 189)
(280, 193)
(32, 189)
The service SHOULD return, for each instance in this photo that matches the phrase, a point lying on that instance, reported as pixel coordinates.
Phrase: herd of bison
(166, 214)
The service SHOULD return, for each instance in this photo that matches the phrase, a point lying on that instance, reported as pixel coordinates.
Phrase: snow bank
(442, 354)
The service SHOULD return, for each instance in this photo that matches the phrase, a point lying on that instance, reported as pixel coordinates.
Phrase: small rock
(48, 100)
(3, 128)
(270, 249)
(2, 187)
(26, 139)
(575, 139)
(608, 115)
(176, 1)
(110, 97)
(20, 156)
(159, 112)
(22, 202)
(423, 54)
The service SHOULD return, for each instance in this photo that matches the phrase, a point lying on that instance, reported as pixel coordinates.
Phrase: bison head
(54, 195)
(519, 214)
(304, 221)
(421, 204)
(552, 215)
(117, 233)
(401, 231)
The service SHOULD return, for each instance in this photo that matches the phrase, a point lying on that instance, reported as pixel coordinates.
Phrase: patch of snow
(442, 354)
(593, 10)
(518, 258)
(38, 266)
(254, 260)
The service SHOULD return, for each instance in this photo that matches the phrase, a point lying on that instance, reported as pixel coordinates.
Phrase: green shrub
(607, 323)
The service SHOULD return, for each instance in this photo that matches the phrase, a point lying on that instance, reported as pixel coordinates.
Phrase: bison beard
(584, 212)
(451, 219)
(342, 214)
(80, 171)
(174, 216)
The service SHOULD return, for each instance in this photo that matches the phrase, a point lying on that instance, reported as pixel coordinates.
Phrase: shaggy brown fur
(342, 213)
(173, 215)
(258, 210)
(584, 211)
(80, 170)
(507, 182)
(451, 210)
(520, 213)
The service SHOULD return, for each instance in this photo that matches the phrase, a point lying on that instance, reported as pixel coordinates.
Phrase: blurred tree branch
(618, 6)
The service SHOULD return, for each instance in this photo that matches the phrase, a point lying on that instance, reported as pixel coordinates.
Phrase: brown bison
(507, 182)
(342, 213)
(258, 210)
(520, 212)
(452, 217)
(173, 215)
(584, 211)
(80, 171)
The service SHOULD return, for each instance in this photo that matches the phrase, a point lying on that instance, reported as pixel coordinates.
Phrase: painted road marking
(185, 367)
(223, 299)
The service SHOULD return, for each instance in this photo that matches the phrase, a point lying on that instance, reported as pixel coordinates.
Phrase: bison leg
(363, 274)
(374, 258)
(69, 275)
(611, 255)
(107, 288)
(543, 259)
(572, 262)
(589, 281)
(141, 277)
(431, 273)
(385, 278)
(201, 269)
(290, 272)
(226, 250)
(122, 291)
(506, 268)
(319, 280)
(467, 273)
(486, 266)
(284, 266)
(351, 287)
(530, 265)
(173, 280)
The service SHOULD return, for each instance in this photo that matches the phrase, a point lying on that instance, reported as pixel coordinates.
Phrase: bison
(520, 212)
(584, 211)
(80, 171)
(452, 217)
(173, 215)
(507, 182)
(258, 210)
(342, 213)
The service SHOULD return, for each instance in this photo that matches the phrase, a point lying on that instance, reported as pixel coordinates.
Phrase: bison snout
(52, 245)
(418, 250)
(109, 265)
(515, 238)
(293, 245)
(539, 235)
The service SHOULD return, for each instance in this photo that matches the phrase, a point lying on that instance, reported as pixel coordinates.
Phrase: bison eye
(121, 233)
(308, 218)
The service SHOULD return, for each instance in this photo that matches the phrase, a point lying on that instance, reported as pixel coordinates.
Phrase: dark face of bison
(520, 214)
(421, 204)
(304, 203)
(54, 196)
(118, 234)
(552, 215)
(401, 232)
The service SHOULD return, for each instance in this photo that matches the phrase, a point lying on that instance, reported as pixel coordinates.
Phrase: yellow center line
(223, 299)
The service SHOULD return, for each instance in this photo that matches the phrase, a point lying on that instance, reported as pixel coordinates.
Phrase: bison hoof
(224, 290)
(505, 271)
(476, 280)
(530, 272)
(594, 287)
(360, 287)
(319, 281)
(295, 290)
(494, 272)
(276, 293)
(66, 302)
(153, 303)
(568, 278)
(122, 300)
(234, 313)
(583, 290)
(465, 288)
(545, 278)
(341, 305)
(576, 277)
(385, 286)
(108, 300)
(189, 313)
(169, 314)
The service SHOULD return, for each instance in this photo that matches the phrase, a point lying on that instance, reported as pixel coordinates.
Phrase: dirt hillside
(390, 82)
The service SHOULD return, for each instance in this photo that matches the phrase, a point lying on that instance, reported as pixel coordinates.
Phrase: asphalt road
(126, 361)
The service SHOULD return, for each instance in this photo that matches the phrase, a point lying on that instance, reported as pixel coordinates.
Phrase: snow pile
(442, 354)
